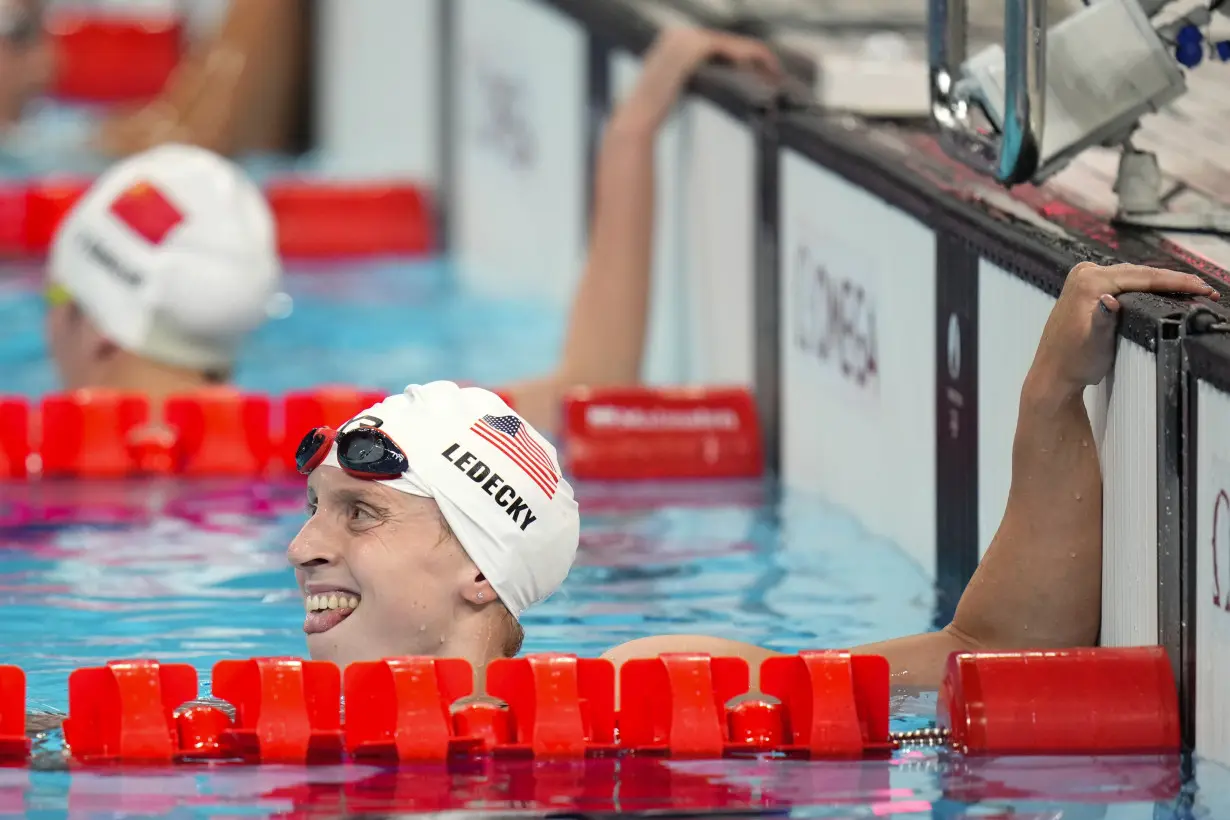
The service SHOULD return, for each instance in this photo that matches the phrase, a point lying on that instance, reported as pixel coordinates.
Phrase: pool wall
(857, 279)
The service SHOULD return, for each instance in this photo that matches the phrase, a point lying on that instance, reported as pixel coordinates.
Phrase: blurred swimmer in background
(170, 261)
(26, 61)
(158, 274)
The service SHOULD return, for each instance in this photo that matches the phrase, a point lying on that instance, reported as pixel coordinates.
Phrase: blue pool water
(194, 572)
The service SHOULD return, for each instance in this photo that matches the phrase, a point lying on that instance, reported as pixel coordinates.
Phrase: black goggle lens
(362, 448)
(371, 451)
(311, 443)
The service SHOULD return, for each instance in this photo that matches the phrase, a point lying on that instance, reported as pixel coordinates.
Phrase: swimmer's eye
(360, 513)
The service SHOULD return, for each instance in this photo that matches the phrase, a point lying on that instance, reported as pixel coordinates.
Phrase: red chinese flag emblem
(147, 212)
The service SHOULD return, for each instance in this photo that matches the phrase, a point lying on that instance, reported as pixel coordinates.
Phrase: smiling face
(382, 576)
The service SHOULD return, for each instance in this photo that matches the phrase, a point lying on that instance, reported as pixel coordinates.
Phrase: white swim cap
(172, 254)
(496, 480)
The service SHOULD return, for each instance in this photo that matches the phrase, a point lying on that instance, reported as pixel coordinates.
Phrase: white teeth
(333, 600)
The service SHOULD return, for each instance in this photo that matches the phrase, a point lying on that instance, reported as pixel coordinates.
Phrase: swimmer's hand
(1078, 342)
(677, 54)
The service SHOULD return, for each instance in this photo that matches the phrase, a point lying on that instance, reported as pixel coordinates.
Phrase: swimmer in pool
(438, 516)
(25, 58)
(167, 312)
(158, 274)
(605, 340)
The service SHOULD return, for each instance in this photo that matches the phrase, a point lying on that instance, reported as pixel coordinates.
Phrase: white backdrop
(862, 437)
(519, 136)
(367, 49)
(1213, 574)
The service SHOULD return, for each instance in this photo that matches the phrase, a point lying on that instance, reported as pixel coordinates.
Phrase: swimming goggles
(363, 452)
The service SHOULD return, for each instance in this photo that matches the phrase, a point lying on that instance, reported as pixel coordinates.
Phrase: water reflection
(912, 784)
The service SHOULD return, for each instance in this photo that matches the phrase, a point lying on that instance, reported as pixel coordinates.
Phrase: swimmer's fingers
(747, 53)
(1116, 279)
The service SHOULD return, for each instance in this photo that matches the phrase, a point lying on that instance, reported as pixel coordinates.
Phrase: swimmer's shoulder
(654, 645)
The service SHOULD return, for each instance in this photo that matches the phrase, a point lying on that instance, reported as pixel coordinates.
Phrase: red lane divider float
(215, 432)
(398, 709)
(561, 706)
(315, 219)
(286, 710)
(673, 704)
(836, 704)
(635, 433)
(1072, 701)
(815, 704)
(113, 57)
(330, 219)
(86, 435)
(225, 432)
(14, 746)
(14, 437)
(125, 710)
(221, 433)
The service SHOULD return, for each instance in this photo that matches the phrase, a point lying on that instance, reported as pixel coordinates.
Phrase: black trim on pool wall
(766, 294)
(956, 420)
(445, 190)
(598, 101)
(1190, 518)
(1170, 491)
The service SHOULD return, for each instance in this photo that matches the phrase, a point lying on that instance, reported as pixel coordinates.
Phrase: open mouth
(326, 610)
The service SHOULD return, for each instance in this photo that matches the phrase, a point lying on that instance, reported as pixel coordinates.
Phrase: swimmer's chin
(330, 645)
(324, 647)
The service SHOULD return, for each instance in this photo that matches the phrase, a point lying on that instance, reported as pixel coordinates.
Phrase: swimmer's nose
(309, 550)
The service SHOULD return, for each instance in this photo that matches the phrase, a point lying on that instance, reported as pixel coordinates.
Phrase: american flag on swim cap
(514, 440)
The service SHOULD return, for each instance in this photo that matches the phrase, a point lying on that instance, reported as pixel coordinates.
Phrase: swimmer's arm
(606, 330)
(605, 340)
(232, 92)
(656, 645)
(39, 722)
(1039, 585)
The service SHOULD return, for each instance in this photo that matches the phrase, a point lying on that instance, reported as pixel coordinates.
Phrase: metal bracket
(1011, 157)
(1202, 320)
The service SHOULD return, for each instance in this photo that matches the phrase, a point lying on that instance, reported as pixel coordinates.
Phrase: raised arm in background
(239, 90)
(1039, 585)
(606, 330)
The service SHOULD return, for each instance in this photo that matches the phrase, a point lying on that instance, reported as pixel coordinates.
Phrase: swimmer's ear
(479, 592)
(94, 345)
(104, 348)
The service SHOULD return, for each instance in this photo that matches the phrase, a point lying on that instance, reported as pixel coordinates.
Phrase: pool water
(195, 572)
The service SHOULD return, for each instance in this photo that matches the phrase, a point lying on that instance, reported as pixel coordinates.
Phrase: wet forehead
(333, 486)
